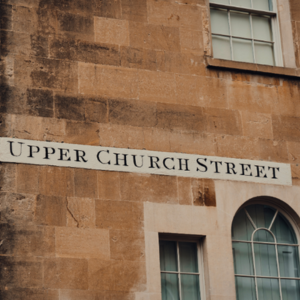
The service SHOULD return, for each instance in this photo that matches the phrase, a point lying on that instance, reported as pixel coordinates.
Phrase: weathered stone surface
(85, 51)
(122, 215)
(134, 10)
(131, 275)
(154, 37)
(71, 108)
(127, 245)
(40, 103)
(66, 273)
(85, 182)
(81, 212)
(28, 294)
(79, 242)
(12, 100)
(188, 118)
(286, 128)
(191, 40)
(203, 192)
(133, 187)
(51, 210)
(6, 16)
(109, 185)
(273, 150)
(8, 177)
(112, 31)
(134, 113)
(54, 181)
(96, 110)
(27, 178)
(184, 191)
(78, 294)
(293, 152)
(25, 19)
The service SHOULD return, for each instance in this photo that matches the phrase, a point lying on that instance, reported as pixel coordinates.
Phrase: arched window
(266, 256)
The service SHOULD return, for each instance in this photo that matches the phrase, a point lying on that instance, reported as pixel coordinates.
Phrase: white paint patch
(143, 161)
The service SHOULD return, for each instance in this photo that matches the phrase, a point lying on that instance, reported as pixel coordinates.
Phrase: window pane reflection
(245, 288)
(242, 50)
(221, 47)
(268, 289)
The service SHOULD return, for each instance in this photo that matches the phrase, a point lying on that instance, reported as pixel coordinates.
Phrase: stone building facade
(137, 74)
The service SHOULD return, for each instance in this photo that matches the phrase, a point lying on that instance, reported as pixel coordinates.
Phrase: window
(180, 266)
(246, 31)
(266, 256)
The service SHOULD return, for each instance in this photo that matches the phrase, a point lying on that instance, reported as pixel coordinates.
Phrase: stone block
(133, 187)
(82, 133)
(40, 103)
(157, 139)
(8, 177)
(88, 78)
(46, 73)
(27, 241)
(286, 128)
(180, 117)
(82, 242)
(108, 9)
(25, 19)
(119, 215)
(84, 51)
(191, 40)
(76, 26)
(47, 20)
(28, 294)
(134, 10)
(293, 152)
(169, 13)
(187, 90)
(6, 16)
(109, 185)
(244, 147)
(12, 100)
(157, 87)
(96, 110)
(68, 107)
(213, 92)
(115, 295)
(27, 178)
(112, 31)
(127, 245)
(223, 121)
(20, 272)
(85, 183)
(77, 295)
(133, 113)
(154, 37)
(257, 125)
(81, 212)
(17, 209)
(252, 98)
(51, 210)
(131, 275)
(295, 10)
(138, 58)
(121, 136)
(66, 273)
(273, 150)
(54, 181)
(184, 191)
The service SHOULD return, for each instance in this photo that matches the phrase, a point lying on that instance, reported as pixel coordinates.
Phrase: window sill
(234, 65)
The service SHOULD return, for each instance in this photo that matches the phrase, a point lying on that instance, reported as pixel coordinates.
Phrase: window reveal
(266, 256)
(245, 31)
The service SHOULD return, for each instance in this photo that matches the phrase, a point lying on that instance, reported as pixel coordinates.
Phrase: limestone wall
(131, 74)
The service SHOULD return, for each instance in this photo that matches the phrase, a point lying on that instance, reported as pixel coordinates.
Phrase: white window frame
(278, 57)
(275, 243)
(197, 240)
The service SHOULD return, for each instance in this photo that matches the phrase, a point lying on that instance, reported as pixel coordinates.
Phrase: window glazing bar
(268, 277)
(267, 243)
(184, 273)
(238, 8)
(242, 38)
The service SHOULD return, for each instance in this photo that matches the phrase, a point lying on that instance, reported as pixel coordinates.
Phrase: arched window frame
(295, 229)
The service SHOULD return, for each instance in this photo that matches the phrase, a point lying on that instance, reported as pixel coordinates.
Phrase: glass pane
(169, 286)
(221, 47)
(245, 288)
(265, 260)
(242, 50)
(219, 21)
(262, 29)
(242, 228)
(168, 256)
(242, 3)
(190, 287)
(220, 1)
(268, 289)
(288, 261)
(240, 24)
(283, 231)
(261, 215)
(263, 236)
(264, 53)
(263, 5)
(188, 257)
(242, 256)
(290, 289)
